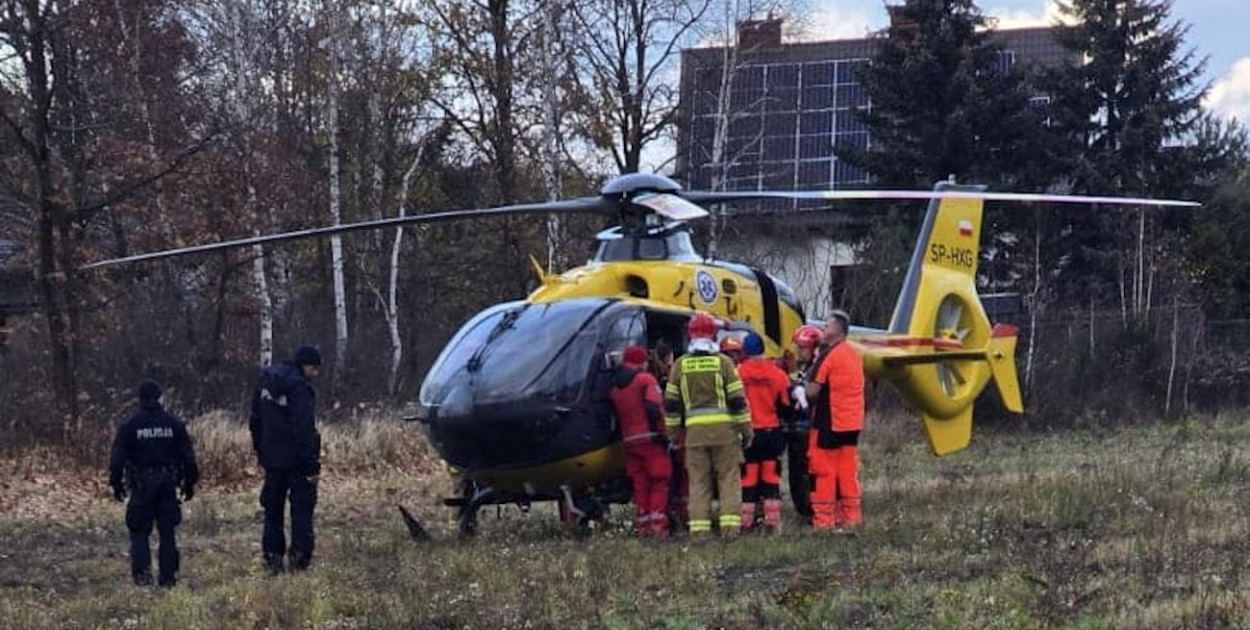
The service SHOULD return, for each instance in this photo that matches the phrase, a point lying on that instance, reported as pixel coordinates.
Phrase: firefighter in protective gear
(768, 396)
(837, 396)
(809, 340)
(636, 397)
(732, 348)
(154, 455)
(705, 395)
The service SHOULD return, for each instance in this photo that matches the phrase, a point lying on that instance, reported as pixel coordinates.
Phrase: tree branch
(83, 213)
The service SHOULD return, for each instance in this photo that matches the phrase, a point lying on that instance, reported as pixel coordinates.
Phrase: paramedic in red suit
(639, 407)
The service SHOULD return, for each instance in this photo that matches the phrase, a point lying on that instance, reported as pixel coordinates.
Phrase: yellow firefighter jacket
(705, 395)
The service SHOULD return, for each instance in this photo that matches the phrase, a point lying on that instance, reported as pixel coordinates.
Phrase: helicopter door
(628, 329)
(667, 329)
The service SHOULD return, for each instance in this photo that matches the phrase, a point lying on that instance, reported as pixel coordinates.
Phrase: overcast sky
(1219, 30)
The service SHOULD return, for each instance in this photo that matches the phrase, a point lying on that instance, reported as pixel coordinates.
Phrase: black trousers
(796, 472)
(153, 499)
(281, 483)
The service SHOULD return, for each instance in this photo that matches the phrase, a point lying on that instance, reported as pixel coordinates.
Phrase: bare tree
(551, 126)
(240, 22)
(628, 49)
(334, 19)
(728, 107)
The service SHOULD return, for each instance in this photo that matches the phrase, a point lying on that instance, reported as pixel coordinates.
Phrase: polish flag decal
(965, 228)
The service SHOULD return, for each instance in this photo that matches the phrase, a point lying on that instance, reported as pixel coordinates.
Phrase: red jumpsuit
(837, 419)
(768, 396)
(639, 408)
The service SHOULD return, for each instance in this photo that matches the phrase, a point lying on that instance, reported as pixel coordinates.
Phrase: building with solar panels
(789, 105)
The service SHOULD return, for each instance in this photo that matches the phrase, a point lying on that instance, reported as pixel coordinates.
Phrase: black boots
(273, 564)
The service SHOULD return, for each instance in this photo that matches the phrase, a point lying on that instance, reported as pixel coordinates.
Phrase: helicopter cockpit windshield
(669, 242)
(520, 351)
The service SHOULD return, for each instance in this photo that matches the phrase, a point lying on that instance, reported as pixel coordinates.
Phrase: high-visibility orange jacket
(768, 392)
(841, 373)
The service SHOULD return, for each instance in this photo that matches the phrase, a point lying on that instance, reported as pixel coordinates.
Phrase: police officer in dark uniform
(154, 455)
(284, 434)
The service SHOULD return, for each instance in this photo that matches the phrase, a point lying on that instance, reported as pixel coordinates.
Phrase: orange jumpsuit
(767, 390)
(837, 419)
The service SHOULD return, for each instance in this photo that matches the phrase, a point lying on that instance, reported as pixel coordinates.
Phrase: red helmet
(730, 344)
(808, 336)
(702, 326)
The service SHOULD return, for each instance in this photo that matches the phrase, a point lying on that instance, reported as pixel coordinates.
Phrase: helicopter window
(680, 247)
(520, 352)
(471, 337)
(652, 249)
(615, 249)
(625, 331)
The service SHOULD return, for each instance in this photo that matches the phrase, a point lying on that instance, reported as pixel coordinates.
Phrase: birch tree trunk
(1034, 307)
(551, 121)
(243, 116)
(336, 216)
(1167, 404)
(720, 135)
(392, 288)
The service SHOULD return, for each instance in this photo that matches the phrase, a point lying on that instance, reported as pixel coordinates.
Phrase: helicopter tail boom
(942, 350)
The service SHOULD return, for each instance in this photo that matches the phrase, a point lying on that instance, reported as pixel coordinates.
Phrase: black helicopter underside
(520, 435)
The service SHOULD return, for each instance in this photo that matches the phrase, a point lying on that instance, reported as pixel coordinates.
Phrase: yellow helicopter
(516, 400)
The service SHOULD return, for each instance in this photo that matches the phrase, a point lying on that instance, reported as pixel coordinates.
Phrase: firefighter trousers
(716, 467)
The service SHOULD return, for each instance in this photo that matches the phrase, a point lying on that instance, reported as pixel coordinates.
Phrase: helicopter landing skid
(578, 510)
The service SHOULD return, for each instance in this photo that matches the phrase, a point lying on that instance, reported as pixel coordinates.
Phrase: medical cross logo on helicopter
(517, 399)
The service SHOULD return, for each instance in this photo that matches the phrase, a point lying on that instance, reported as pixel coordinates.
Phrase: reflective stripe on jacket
(705, 395)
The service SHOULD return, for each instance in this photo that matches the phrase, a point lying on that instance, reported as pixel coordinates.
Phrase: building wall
(805, 262)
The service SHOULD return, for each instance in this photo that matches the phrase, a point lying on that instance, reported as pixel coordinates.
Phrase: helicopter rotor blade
(567, 206)
(698, 196)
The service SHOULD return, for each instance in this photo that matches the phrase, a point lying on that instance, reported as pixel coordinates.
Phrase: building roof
(1031, 44)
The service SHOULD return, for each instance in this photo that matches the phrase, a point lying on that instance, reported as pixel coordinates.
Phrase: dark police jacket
(284, 430)
(153, 441)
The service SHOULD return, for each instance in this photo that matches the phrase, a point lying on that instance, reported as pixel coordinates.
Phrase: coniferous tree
(945, 102)
(1126, 111)
(1130, 94)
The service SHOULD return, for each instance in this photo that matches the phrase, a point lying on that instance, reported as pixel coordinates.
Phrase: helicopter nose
(495, 435)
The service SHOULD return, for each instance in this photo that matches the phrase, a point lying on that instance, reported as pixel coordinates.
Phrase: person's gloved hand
(119, 492)
(745, 437)
(188, 492)
(798, 396)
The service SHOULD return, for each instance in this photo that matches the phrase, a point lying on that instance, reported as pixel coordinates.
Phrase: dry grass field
(1147, 527)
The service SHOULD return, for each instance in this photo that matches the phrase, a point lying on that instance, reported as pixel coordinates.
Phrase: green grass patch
(1140, 528)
